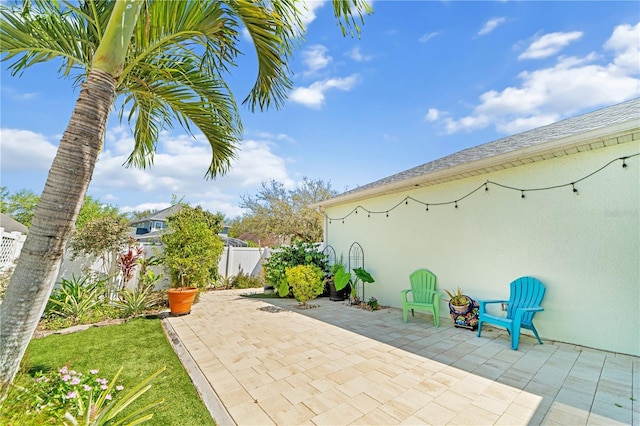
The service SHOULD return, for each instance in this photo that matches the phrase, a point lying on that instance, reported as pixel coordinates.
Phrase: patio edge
(208, 395)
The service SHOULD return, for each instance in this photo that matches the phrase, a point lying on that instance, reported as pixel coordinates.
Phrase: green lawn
(140, 346)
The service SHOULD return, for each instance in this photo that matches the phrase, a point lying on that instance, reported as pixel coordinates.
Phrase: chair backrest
(422, 282)
(526, 292)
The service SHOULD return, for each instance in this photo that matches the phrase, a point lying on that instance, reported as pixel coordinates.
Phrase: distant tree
(276, 213)
(4, 198)
(102, 237)
(20, 205)
(92, 209)
(136, 215)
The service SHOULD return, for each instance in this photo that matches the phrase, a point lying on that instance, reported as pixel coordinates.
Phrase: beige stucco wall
(585, 248)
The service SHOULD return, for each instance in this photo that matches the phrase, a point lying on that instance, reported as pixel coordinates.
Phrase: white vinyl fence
(10, 246)
(241, 259)
(232, 261)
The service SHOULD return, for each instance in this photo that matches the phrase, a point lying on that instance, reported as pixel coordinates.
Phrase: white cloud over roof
(491, 25)
(548, 94)
(313, 96)
(549, 44)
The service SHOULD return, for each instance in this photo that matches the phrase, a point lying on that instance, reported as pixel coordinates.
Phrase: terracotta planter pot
(181, 299)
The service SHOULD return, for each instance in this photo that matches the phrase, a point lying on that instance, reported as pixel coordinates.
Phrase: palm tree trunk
(53, 222)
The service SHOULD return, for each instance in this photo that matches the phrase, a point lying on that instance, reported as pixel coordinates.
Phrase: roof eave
(538, 152)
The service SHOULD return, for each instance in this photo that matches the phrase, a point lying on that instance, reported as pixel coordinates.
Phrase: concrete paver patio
(270, 363)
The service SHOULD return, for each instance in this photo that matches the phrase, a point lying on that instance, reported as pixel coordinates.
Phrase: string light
(486, 188)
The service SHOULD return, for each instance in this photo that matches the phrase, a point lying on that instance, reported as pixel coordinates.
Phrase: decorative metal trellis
(356, 260)
(330, 253)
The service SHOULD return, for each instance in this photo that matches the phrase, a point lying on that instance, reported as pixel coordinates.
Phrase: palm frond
(43, 30)
(180, 90)
(177, 57)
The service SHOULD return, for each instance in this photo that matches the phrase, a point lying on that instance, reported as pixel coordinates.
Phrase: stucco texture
(584, 246)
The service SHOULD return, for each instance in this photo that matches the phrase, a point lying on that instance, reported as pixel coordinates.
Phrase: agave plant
(458, 299)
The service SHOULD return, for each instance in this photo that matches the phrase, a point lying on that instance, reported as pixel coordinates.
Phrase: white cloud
(145, 206)
(179, 168)
(308, 9)
(313, 96)
(426, 37)
(306, 13)
(21, 96)
(624, 42)
(549, 94)
(24, 149)
(432, 115)
(549, 44)
(356, 55)
(491, 25)
(315, 58)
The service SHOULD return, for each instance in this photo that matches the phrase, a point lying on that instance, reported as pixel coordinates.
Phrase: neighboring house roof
(160, 215)
(592, 130)
(149, 237)
(11, 225)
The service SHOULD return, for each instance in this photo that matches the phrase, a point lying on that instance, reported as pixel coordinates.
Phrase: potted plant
(365, 277)
(338, 282)
(181, 298)
(192, 249)
(458, 301)
(463, 310)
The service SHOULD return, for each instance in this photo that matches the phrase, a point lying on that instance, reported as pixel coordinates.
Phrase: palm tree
(165, 61)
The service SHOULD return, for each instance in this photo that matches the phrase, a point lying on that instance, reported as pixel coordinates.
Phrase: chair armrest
(536, 309)
(482, 304)
(404, 295)
(492, 301)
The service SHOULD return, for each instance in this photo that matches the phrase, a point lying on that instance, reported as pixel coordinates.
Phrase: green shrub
(77, 299)
(192, 247)
(298, 253)
(243, 280)
(134, 302)
(306, 282)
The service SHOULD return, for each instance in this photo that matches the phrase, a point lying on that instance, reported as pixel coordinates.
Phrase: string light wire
(486, 188)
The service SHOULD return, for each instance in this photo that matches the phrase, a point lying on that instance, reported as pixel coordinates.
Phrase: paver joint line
(301, 360)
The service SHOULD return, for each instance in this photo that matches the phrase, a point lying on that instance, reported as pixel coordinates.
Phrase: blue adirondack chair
(524, 302)
(422, 295)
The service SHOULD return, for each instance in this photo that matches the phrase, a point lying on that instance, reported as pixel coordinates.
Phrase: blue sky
(425, 79)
